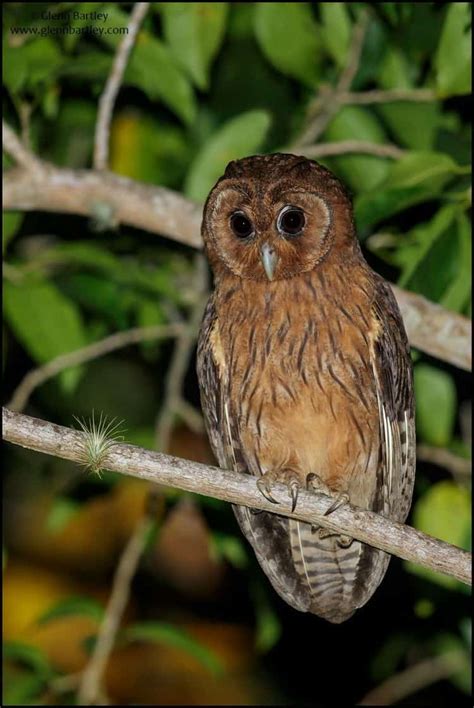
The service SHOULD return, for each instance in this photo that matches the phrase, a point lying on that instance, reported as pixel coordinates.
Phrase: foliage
(207, 83)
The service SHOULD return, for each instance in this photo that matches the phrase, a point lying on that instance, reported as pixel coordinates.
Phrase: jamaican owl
(305, 373)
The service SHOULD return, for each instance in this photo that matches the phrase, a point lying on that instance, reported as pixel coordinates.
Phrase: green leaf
(268, 627)
(21, 687)
(73, 606)
(453, 57)
(421, 239)
(444, 511)
(228, 547)
(153, 69)
(288, 36)
(45, 322)
(435, 395)
(31, 656)
(458, 293)
(239, 137)
(336, 30)
(415, 125)
(453, 649)
(414, 178)
(62, 511)
(163, 633)
(11, 222)
(194, 32)
(31, 65)
(362, 173)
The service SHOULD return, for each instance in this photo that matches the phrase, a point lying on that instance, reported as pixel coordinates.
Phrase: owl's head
(275, 216)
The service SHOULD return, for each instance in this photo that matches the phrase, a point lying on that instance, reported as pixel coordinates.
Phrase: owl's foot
(341, 499)
(286, 476)
(315, 483)
(342, 540)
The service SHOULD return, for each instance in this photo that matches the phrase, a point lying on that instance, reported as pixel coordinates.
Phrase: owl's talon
(263, 489)
(293, 491)
(342, 499)
(325, 533)
(344, 541)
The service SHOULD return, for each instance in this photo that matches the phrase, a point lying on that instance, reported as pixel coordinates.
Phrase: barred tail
(339, 579)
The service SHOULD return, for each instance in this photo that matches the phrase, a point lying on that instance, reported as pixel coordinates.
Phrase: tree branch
(366, 526)
(327, 103)
(84, 192)
(435, 330)
(39, 376)
(352, 146)
(430, 327)
(458, 466)
(17, 151)
(112, 86)
(91, 683)
(375, 96)
(180, 360)
(414, 678)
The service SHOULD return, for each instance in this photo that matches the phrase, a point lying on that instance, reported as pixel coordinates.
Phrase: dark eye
(241, 225)
(291, 221)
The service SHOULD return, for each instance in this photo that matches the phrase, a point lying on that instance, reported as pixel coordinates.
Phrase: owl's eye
(291, 221)
(241, 225)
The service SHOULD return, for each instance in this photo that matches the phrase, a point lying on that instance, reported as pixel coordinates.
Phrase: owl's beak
(269, 260)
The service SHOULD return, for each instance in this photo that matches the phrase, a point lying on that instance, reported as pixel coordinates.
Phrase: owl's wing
(393, 374)
(267, 533)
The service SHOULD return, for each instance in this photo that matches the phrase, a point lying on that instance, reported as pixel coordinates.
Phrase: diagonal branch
(39, 376)
(184, 347)
(13, 146)
(112, 87)
(374, 529)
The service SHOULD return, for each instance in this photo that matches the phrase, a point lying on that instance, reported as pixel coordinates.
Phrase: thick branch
(112, 87)
(436, 331)
(371, 528)
(84, 192)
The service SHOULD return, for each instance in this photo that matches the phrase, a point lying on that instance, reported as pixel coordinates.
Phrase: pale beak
(269, 260)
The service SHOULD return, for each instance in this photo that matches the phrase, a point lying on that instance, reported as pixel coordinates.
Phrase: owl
(305, 374)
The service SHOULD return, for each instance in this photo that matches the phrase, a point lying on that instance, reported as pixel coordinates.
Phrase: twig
(38, 376)
(414, 678)
(112, 87)
(458, 466)
(17, 151)
(180, 360)
(352, 146)
(324, 107)
(366, 526)
(431, 328)
(192, 417)
(388, 96)
(91, 684)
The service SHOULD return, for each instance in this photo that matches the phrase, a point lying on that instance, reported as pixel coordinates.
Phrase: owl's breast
(300, 388)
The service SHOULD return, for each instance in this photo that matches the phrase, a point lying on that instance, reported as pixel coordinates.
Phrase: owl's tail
(340, 579)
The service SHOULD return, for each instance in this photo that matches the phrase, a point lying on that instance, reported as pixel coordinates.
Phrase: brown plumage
(305, 373)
